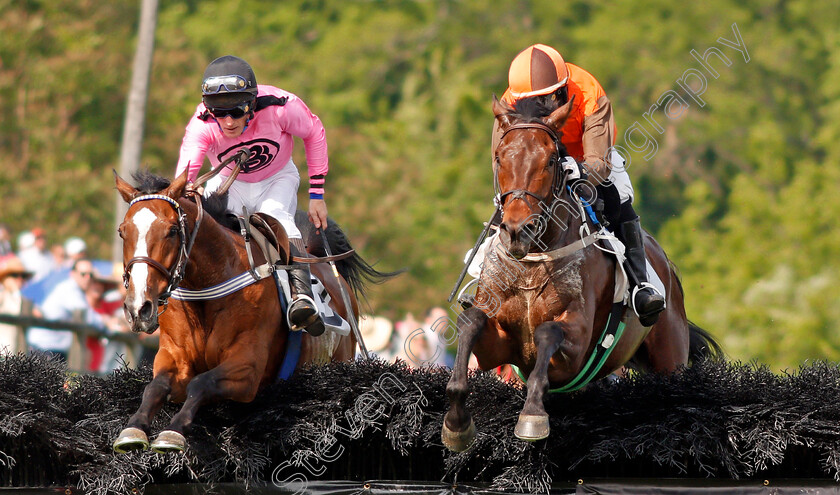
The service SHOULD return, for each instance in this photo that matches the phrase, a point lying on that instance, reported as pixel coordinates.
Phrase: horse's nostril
(507, 232)
(146, 311)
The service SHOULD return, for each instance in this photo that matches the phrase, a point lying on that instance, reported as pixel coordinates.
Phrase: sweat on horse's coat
(549, 321)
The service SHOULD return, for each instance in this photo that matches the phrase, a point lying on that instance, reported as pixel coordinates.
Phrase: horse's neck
(214, 257)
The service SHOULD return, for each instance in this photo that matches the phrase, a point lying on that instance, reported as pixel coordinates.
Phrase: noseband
(558, 181)
(175, 274)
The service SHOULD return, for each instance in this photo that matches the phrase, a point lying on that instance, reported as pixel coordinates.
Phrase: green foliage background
(742, 192)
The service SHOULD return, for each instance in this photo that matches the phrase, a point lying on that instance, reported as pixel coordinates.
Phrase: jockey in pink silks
(236, 112)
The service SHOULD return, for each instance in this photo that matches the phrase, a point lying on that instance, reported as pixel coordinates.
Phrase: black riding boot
(303, 313)
(647, 301)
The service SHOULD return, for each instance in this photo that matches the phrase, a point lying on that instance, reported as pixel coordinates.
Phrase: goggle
(236, 112)
(214, 85)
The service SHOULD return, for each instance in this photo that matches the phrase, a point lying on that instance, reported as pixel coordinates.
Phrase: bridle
(558, 180)
(175, 274)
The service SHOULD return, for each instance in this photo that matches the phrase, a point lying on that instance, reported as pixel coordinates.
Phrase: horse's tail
(358, 272)
(354, 269)
(701, 345)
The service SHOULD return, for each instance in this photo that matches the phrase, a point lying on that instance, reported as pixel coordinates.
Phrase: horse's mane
(214, 205)
(355, 270)
(534, 108)
(149, 183)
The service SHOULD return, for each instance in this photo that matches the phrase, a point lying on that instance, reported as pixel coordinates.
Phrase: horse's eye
(173, 231)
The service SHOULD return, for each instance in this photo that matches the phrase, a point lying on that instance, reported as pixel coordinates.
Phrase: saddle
(270, 237)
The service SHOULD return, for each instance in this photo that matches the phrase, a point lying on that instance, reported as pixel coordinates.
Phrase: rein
(176, 274)
(615, 327)
(240, 156)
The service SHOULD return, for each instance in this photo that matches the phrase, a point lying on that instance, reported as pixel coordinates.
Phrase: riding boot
(303, 313)
(647, 301)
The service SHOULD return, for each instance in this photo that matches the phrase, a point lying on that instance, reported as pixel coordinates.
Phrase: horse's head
(154, 236)
(527, 172)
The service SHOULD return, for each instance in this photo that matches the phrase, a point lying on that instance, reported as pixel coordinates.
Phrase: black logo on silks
(263, 152)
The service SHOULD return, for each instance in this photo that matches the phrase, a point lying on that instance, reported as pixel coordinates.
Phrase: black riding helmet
(228, 82)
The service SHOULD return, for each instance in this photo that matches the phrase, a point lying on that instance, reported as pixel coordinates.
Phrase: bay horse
(553, 288)
(223, 348)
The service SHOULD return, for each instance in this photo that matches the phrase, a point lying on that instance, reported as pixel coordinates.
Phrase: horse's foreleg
(533, 420)
(458, 431)
(135, 435)
(237, 382)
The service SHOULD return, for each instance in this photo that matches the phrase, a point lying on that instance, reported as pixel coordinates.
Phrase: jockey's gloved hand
(574, 172)
(191, 187)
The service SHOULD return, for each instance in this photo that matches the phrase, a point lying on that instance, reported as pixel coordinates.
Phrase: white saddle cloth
(332, 320)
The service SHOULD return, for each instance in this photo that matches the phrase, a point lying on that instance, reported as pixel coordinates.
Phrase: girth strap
(245, 232)
(270, 252)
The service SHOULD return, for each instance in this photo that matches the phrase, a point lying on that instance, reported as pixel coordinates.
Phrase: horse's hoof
(169, 441)
(531, 428)
(131, 439)
(458, 441)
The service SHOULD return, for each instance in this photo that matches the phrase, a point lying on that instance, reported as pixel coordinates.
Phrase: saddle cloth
(332, 320)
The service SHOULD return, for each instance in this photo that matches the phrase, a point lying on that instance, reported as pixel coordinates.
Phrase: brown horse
(222, 348)
(544, 300)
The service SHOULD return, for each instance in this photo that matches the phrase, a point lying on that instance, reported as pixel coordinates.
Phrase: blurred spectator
(506, 374)
(66, 302)
(402, 330)
(94, 345)
(59, 256)
(439, 332)
(5, 240)
(376, 333)
(107, 295)
(12, 276)
(411, 344)
(74, 249)
(32, 252)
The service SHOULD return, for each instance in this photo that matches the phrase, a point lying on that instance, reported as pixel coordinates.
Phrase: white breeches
(620, 178)
(275, 196)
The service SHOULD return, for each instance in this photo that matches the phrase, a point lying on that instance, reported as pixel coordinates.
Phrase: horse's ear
(176, 189)
(559, 116)
(502, 111)
(127, 191)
